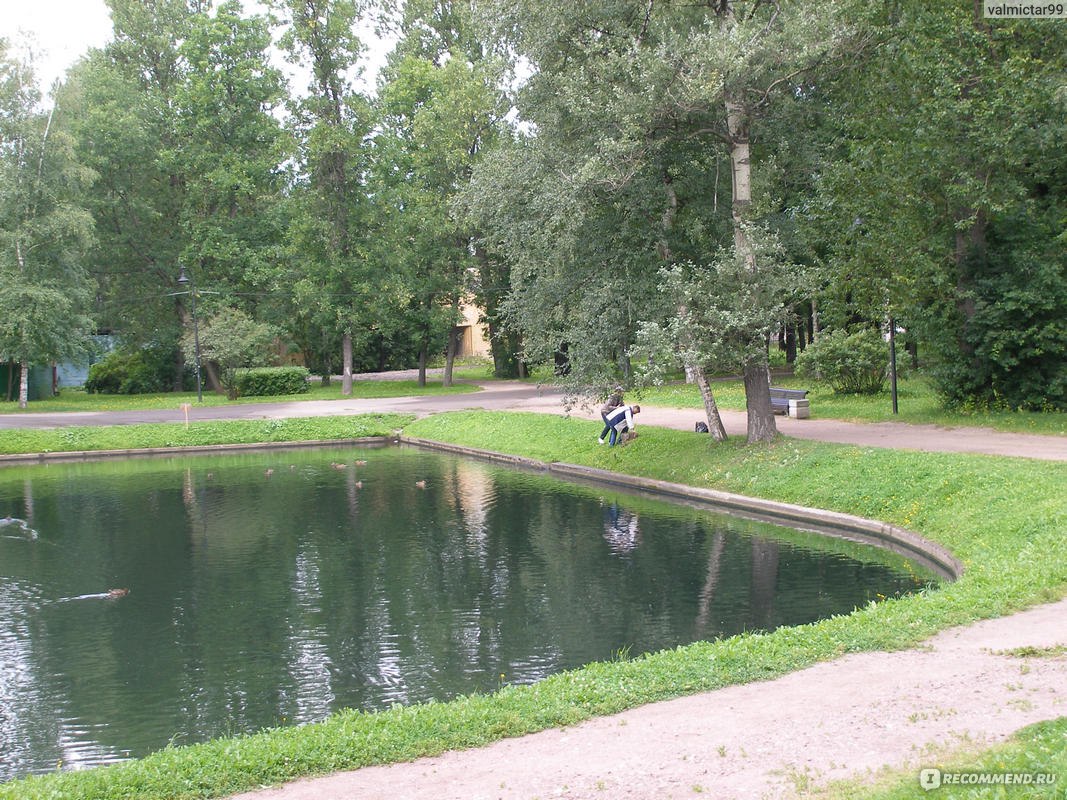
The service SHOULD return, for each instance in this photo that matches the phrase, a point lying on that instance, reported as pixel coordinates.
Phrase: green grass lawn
(1036, 750)
(917, 403)
(79, 400)
(198, 434)
(1003, 517)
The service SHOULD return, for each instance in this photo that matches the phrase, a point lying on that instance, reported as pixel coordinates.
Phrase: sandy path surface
(838, 720)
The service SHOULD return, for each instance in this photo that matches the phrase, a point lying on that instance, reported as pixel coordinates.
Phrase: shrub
(271, 381)
(852, 363)
(143, 371)
(232, 340)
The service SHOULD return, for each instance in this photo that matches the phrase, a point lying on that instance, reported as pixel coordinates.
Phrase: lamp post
(893, 362)
(184, 281)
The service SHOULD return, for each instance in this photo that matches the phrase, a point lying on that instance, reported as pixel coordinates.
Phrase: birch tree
(636, 83)
(44, 232)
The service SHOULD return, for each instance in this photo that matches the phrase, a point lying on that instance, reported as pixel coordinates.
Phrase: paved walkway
(517, 396)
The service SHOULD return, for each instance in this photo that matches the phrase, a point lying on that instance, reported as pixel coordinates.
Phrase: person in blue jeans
(613, 402)
(620, 421)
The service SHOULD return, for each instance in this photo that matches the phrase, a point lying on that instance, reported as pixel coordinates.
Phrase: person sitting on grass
(621, 421)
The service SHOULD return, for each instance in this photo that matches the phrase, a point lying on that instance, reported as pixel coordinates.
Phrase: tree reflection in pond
(273, 588)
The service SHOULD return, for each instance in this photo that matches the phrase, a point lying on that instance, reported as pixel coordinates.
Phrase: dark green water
(273, 588)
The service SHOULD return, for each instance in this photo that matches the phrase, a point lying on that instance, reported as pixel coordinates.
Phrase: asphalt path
(518, 396)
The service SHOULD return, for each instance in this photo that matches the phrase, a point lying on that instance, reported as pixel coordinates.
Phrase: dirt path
(841, 720)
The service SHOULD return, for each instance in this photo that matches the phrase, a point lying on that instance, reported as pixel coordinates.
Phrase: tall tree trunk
(346, 365)
(178, 382)
(450, 356)
(453, 344)
(711, 408)
(422, 364)
(211, 377)
(24, 384)
(761, 426)
(970, 251)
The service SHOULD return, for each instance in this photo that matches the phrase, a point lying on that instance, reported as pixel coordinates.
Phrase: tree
(943, 202)
(44, 232)
(231, 340)
(121, 106)
(649, 93)
(718, 312)
(175, 116)
(228, 152)
(440, 106)
(327, 234)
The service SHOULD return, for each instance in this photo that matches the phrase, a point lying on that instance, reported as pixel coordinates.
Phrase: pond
(274, 587)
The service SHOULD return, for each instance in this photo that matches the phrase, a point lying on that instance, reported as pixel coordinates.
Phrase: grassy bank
(918, 404)
(1004, 518)
(80, 400)
(198, 434)
(1036, 750)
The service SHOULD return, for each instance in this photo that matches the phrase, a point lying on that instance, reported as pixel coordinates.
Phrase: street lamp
(187, 286)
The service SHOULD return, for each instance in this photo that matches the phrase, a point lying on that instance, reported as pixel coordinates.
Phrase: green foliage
(231, 339)
(1016, 333)
(941, 198)
(270, 381)
(852, 363)
(719, 314)
(44, 229)
(142, 371)
(339, 292)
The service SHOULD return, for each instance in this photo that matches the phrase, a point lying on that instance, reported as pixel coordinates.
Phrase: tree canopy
(624, 187)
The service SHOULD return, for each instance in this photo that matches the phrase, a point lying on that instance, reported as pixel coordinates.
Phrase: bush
(852, 363)
(145, 371)
(271, 381)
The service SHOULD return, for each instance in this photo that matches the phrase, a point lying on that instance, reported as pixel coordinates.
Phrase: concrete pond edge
(914, 546)
(929, 554)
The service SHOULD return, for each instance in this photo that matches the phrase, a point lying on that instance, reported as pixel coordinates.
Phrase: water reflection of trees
(258, 599)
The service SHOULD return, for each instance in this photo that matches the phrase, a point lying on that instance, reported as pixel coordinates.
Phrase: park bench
(790, 401)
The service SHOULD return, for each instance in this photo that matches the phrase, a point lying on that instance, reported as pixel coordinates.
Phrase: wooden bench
(790, 401)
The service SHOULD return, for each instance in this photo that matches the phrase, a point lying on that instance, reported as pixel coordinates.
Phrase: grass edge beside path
(202, 433)
(1003, 517)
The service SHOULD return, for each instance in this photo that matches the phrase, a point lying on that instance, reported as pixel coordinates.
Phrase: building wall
(473, 336)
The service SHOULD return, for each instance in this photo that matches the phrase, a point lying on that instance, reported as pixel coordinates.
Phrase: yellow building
(472, 337)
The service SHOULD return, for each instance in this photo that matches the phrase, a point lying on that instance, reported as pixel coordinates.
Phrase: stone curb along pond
(830, 523)
(907, 543)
